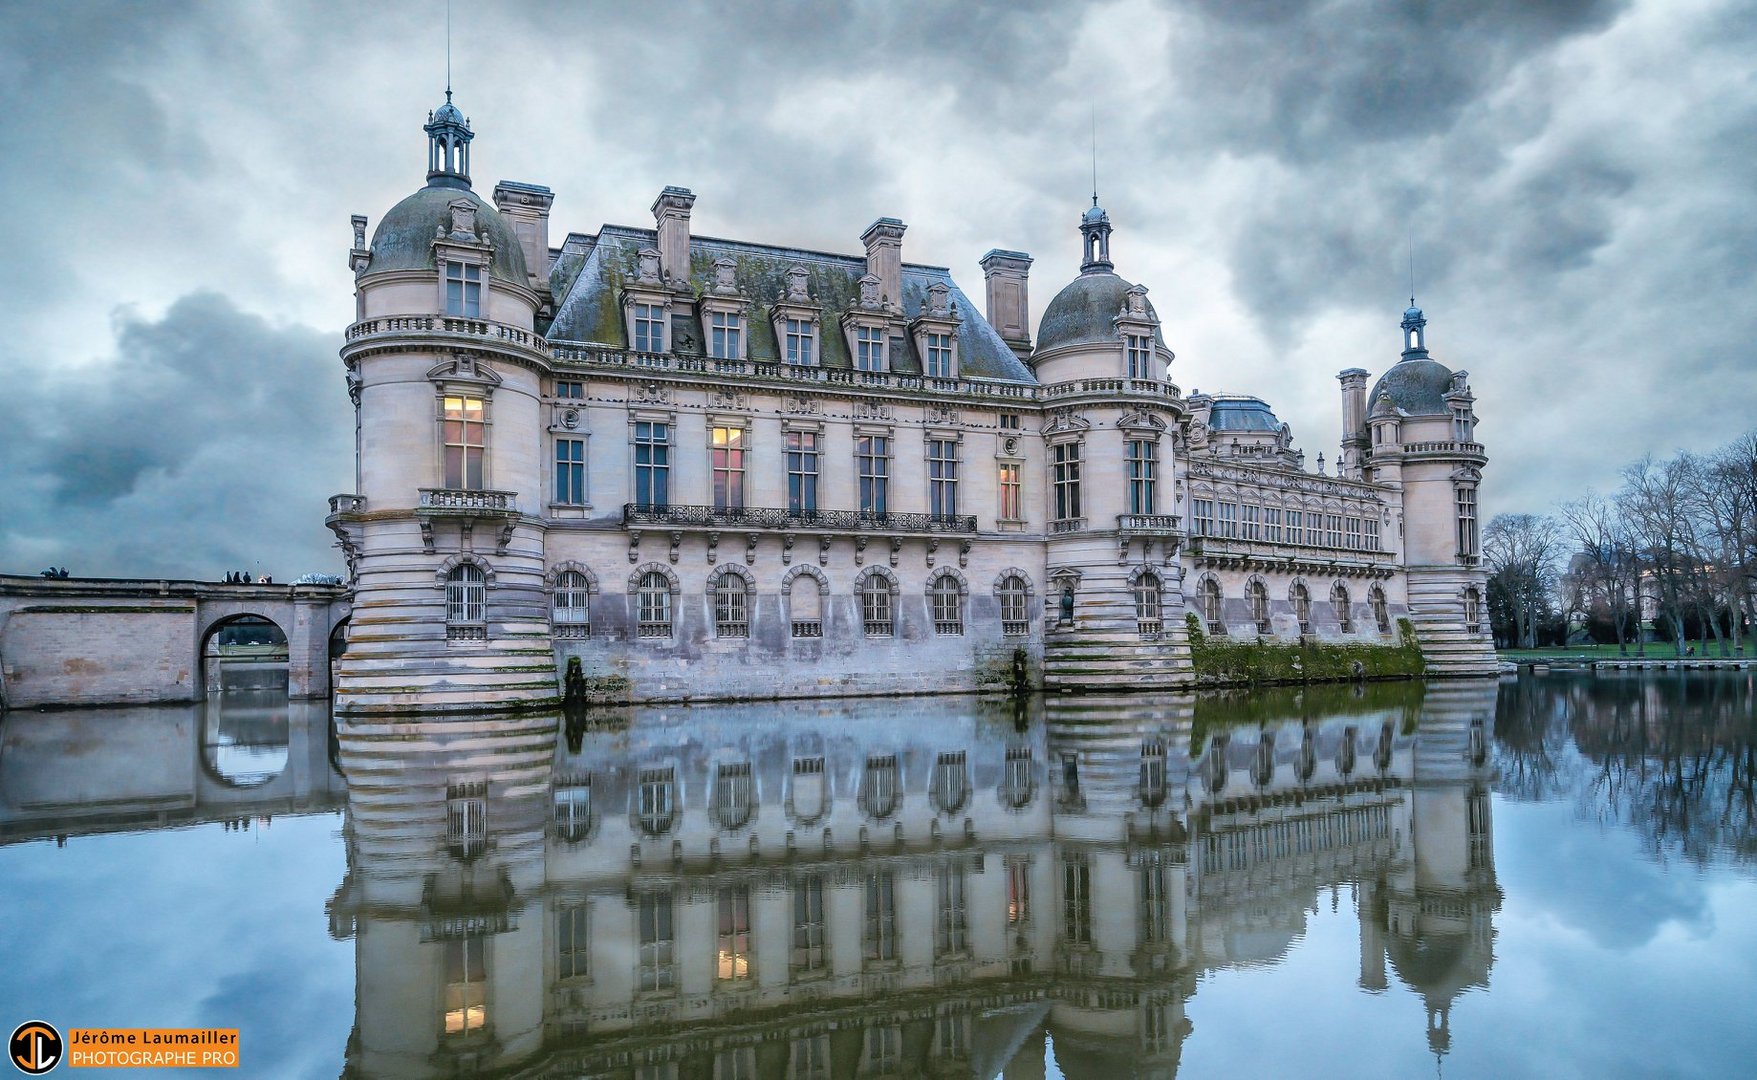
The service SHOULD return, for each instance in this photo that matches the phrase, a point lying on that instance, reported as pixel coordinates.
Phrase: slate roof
(1236, 412)
(1417, 386)
(404, 237)
(589, 284)
(1085, 312)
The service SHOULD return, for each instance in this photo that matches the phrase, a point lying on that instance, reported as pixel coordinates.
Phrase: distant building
(717, 468)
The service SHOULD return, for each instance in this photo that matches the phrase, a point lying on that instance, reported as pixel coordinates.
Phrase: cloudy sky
(1578, 179)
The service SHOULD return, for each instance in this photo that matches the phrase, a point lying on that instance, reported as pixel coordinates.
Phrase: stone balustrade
(1148, 524)
(492, 502)
(774, 517)
(479, 329)
(347, 504)
(1304, 558)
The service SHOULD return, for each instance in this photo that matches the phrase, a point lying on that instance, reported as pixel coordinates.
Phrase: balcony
(461, 502)
(1469, 451)
(774, 517)
(1148, 524)
(478, 332)
(346, 504)
(1293, 558)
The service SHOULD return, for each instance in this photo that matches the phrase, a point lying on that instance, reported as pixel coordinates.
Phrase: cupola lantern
(448, 147)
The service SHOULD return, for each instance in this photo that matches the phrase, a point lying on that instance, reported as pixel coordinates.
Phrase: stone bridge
(104, 641)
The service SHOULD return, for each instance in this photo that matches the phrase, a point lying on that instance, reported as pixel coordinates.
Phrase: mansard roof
(590, 276)
(1239, 412)
(404, 237)
(1085, 312)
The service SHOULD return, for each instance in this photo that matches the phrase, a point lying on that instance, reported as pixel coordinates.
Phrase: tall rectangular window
(1352, 534)
(951, 927)
(1272, 524)
(1156, 903)
(733, 953)
(1295, 527)
(1463, 425)
(1333, 530)
(879, 938)
(809, 955)
(942, 477)
(572, 947)
(799, 340)
(1077, 900)
(1228, 521)
(649, 328)
(466, 442)
(463, 290)
(1314, 528)
(570, 471)
(1253, 521)
(725, 335)
(1467, 536)
(939, 356)
(652, 464)
(1204, 517)
(802, 472)
(727, 463)
(658, 942)
(872, 454)
(1142, 460)
(1140, 351)
(1065, 470)
(869, 348)
(466, 985)
(1018, 891)
(1012, 492)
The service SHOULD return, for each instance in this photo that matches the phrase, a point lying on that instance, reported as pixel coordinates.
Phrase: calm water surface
(1549, 877)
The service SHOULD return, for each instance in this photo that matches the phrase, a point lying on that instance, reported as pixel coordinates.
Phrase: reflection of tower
(1437, 915)
(445, 833)
(1120, 767)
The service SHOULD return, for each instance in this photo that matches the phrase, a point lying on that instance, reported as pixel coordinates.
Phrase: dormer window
(725, 335)
(648, 327)
(1463, 425)
(938, 353)
(1139, 349)
(800, 338)
(869, 348)
(463, 290)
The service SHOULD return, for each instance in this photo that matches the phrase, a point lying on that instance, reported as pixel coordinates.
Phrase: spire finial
(448, 50)
(1411, 269)
(1095, 155)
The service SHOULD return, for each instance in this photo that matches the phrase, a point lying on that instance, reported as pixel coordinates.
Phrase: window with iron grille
(655, 810)
(1076, 900)
(1015, 607)
(878, 787)
(1016, 782)
(1148, 610)
(465, 600)
(1209, 596)
(570, 613)
(877, 606)
(466, 818)
(1381, 610)
(948, 607)
(1302, 608)
(951, 782)
(573, 809)
(731, 607)
(733, 795)
(654, 602)
(1152, 773)
(1257, 596)
(1344, 605)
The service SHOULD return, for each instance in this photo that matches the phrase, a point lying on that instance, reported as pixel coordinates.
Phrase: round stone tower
(443, 533)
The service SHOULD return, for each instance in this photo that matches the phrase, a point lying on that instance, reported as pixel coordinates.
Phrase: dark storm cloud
(209, 442)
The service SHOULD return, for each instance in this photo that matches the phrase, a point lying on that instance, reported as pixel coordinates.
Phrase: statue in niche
(1067, 606)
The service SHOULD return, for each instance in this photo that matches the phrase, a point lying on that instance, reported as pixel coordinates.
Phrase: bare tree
(1520, 552)
(1655, 503)
(1607, 569)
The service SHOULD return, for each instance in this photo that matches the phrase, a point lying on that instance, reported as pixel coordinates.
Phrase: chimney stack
(884, 257)
(1007, 275)
(1354, 423)
(527, 207)
(671, 213)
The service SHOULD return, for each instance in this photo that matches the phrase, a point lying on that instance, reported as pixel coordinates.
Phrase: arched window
(1258, 595)
(877, 606)
(731, 607)
(1152, 773)
(1339, 599)
(948, 612)
(465, 596)
(805, 607)
(1148, 611)
(653, 619)
(1214, 764)
(1381, 611)
(1307, 762)
(1302, 607)
(1472, 611)
(570, 614)
(1382, 752)
(1015, 606)
(1345, 754)
(1210, 598)
(1263, 761)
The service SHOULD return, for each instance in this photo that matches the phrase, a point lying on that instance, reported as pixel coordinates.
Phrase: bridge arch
(243, 650)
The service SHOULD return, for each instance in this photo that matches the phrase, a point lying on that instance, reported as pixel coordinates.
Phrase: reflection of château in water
(774, 893)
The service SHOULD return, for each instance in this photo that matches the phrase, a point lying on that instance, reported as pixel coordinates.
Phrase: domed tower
(442, 533)
(1114, 572)
(1418, 436)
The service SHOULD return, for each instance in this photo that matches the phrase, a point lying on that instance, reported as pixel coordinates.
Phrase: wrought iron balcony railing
(776, 517)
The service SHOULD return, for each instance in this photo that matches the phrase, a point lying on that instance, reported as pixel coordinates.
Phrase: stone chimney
(1354, 423)
(671, 213)
(527, 207)
(1007, 275)
(884, 257)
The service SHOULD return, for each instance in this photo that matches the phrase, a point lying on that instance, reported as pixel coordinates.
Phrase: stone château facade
(714, 468)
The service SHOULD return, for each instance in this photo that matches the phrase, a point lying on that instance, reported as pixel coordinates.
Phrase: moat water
(1554, 876)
